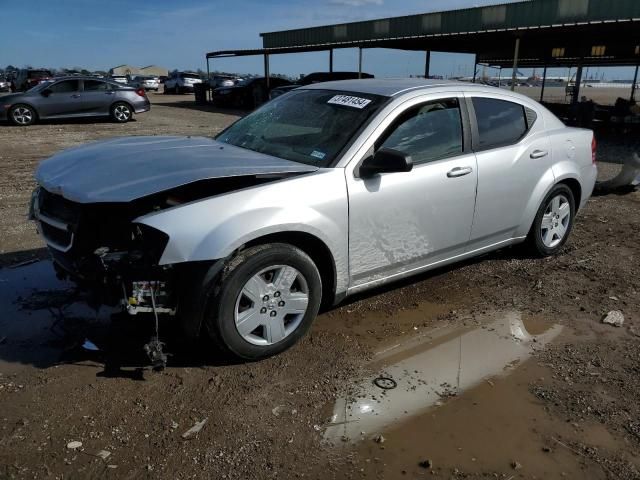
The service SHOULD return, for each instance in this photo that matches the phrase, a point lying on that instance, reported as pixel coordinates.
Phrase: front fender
(213, 228)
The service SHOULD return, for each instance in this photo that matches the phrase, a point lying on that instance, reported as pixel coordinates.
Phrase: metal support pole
(208, 80)
(635, 83)
(331, 60)
(576, 90)
(359, 62)
(499, 76)
(544, 81)
(427, 64)
(266, 69)
(516, 53)
(475, 67)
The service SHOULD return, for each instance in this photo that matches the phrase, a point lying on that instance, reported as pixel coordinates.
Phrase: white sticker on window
(318, 154)
(349, 101)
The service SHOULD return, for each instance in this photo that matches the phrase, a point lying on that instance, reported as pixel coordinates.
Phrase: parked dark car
(247, 93)
(69, 97)
(318, 77)
(27, 78)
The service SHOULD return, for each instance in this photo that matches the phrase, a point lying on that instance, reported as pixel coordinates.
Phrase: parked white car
(181, 82)
(329, 190)
(146, 82)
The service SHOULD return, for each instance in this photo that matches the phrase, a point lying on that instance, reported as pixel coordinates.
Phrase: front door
(63, 99)
(402, 222)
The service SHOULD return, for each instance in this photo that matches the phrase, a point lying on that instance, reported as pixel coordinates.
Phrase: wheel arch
(317, 250)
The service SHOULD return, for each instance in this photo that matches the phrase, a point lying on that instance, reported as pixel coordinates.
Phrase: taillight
(141, 92)
(593, 149)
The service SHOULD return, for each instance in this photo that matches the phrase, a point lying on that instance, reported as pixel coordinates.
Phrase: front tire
(265, 301)
(553, 222)
(121, 112)
(22, 115)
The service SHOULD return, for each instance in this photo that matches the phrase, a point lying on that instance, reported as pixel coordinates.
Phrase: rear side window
(95, 86)
(500, 122)
(429, 132)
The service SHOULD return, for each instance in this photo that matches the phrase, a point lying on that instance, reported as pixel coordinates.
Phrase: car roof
(390, 87)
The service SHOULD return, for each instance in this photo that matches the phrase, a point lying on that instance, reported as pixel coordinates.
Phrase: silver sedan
(74, 97)
(324, 192)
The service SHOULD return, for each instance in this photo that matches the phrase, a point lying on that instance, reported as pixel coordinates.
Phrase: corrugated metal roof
(525, 15)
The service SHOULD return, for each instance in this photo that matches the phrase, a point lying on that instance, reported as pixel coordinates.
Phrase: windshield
(189, 75)
(41, 86)
(306, 126)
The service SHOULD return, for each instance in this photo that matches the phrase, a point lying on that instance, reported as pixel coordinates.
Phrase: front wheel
(121, 112)
(553, 222)
(22, 115)
(265, 301)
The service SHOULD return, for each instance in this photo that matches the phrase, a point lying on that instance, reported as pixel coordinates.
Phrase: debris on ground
(379, 439)
(195, 429)
(426, 464)
(103, 454)
(614, 317)
(516, 465)
(74, 445)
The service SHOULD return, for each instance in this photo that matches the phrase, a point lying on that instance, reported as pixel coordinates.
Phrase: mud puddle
(456, 401)
(430, 368)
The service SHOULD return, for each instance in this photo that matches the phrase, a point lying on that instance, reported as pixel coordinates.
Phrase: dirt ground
(556, 396)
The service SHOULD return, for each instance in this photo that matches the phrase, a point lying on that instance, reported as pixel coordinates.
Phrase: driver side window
(66, 86)
(428, 132)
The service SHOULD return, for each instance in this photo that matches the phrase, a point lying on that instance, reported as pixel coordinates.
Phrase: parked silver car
(330, 190)
(71, 97)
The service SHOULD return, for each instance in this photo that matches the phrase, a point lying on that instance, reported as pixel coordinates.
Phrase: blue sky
(100, 34)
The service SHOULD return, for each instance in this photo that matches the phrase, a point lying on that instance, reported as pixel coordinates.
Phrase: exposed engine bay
(100, 247)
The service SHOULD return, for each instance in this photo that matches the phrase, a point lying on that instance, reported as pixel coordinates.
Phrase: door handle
(75, 95)
(108, 93)
(459, 172)
(539, 154)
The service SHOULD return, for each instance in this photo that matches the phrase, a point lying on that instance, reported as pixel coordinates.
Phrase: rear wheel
(553, 222)
(121, 112)
(265, 301)
(22, 115)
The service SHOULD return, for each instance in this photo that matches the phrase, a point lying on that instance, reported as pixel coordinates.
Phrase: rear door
(400, 222)
(514, 159)
(97, 97)
(64, 99)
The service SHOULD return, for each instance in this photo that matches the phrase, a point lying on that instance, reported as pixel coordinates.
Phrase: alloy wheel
(271, 305)
(22, 115)
(555, 221)
(122, 113)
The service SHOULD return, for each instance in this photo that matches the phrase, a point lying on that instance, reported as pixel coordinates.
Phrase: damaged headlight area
(99, 247)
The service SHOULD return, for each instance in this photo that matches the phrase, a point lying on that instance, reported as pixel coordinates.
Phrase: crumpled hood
(127, 168)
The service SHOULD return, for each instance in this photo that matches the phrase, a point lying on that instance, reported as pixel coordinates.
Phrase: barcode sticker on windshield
(349, 101)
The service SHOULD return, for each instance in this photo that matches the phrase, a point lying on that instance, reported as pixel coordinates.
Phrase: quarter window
(65, 86)
(499, 122)
(428, 132)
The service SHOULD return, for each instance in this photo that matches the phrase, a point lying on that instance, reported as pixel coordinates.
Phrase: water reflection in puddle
(428, 370)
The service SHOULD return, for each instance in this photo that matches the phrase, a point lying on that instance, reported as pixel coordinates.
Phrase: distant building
(131, 70)
(154, 70)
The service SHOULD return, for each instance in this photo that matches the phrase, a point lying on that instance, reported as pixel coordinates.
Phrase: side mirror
(385, 160)
(46, 92)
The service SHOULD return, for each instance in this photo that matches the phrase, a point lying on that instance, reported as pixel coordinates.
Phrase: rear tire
(265, 301)
(22, 115)
(553, 222)
(121, 112)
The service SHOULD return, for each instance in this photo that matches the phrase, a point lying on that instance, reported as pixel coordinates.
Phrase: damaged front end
(101, 248)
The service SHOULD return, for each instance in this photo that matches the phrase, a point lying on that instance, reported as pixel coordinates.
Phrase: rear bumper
(145, 107)
(589, 176)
